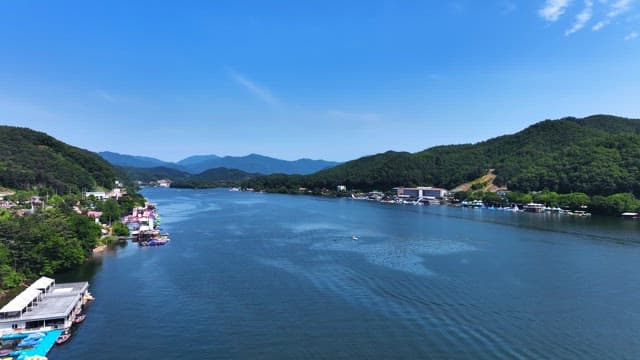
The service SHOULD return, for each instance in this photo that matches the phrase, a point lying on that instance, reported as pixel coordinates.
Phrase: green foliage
(598, 155)
(129, 201)
(120, 229)
(615, 204)
(109, 240)
(30, 159)
(152, 174)
(110, 210)
(44, 243)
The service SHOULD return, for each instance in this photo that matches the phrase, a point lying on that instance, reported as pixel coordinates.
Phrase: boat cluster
(479, 204)
(144, 225)
(530, 207)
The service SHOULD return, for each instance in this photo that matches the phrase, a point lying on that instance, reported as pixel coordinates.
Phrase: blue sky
(319, 79)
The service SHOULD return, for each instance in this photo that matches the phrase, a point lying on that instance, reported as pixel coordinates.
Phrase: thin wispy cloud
(632, 36)
(106, 96)
(617, 8)
(582, 18)
(252, 87)
(554, 9)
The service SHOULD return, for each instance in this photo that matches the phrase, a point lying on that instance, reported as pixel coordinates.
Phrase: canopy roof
(42, 283)
(21, 301)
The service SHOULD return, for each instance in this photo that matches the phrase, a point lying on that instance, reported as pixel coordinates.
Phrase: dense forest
(30, 159)
(151, 174)
(217, 177)
(597, 155)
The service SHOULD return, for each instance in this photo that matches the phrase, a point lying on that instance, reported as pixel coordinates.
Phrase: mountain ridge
(252, 163)
(598, 154)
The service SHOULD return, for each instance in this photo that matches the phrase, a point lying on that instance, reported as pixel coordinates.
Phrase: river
(259, 276)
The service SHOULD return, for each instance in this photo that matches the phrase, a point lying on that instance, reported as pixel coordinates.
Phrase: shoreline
(99, 249)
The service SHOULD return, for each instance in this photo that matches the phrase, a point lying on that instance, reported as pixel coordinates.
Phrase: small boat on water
(63, 338)
(5, 352)
(354, 237)
(155, 242)
(80, 318)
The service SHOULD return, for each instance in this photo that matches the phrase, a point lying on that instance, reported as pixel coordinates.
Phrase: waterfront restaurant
(43, 306)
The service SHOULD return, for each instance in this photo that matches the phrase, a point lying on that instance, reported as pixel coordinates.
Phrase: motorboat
(5, 352)
(80, 318)
(63, 338)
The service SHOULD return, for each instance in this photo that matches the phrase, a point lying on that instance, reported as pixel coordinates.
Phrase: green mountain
(147, 174)
(218, 177)
(598, 155)
(29, 158)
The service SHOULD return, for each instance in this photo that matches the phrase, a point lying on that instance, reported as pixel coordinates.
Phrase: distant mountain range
(134, 161)
(197, 164)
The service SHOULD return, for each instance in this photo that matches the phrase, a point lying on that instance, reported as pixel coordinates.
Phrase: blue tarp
(42, 348)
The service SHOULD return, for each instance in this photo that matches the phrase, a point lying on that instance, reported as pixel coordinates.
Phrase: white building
(164, 183)
(43, 306)
(424, 192)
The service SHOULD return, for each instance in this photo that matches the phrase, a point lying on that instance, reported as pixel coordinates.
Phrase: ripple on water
(412, 303)
(403, 255)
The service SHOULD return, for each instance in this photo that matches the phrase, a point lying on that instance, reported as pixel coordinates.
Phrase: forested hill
(217, 177)
(598, 155)
(29, 158)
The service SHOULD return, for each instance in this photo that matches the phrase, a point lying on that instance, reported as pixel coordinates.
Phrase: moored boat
(5, 352)
(155, 242)
(63, 338)
(80, 318)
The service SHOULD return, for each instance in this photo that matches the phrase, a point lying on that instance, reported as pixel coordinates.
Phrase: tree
(120, 229)
(110, 211)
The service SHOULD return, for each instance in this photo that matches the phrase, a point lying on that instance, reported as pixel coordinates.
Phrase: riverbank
(571, 203)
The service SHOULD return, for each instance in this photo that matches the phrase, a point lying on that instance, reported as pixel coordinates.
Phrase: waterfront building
(424, 192)
(44, 306)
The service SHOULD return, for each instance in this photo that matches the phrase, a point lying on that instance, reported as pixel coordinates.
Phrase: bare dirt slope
(483, 183)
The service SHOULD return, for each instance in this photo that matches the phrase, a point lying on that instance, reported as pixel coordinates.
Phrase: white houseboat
(44, 306)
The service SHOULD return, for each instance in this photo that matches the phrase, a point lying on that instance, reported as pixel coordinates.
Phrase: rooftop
(57, 303)
(52, 307)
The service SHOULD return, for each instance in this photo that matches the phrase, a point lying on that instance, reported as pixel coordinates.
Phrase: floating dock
(41, 349)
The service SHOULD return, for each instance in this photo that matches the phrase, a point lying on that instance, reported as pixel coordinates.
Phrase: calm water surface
(272, 276)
